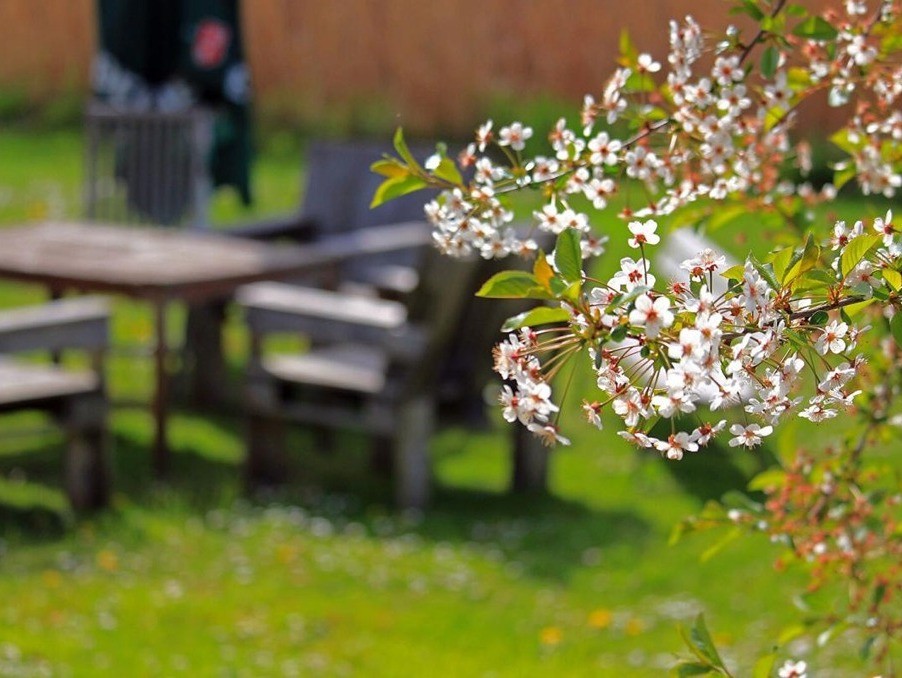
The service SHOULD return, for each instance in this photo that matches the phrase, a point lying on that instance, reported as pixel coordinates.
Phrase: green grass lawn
(323, 577)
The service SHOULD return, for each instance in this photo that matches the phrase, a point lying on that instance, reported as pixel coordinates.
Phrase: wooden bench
(75, 398)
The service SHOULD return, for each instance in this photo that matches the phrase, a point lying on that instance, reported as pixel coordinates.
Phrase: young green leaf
(687, 669)
(893, 277)
(543, 272)
(819, 318)
(769, 60)
(804, 262)
(448, 171)
(513, 285)
(766, 271)
(702, 644)
(542, 315)
(389, 167)
(395, 187)
(764, 667)
(780, 260)
(815, 28)
(403, 150)
(568, 255)
(736, 272)
(855, 251)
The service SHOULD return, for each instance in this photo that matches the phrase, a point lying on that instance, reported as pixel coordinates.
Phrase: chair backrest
(340, 187)
(147, 166)
(439, 304)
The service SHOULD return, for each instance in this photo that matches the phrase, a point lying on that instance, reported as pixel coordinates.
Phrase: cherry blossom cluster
(669, 352)
(707, 127)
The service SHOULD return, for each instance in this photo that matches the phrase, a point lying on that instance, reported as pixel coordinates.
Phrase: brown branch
(761, 33)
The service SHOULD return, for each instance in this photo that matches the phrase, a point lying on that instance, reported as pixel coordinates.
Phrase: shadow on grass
(546, 536)
(717, 468)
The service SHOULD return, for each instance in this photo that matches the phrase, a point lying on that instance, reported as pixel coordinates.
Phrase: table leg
(161, 396)
(208, 379)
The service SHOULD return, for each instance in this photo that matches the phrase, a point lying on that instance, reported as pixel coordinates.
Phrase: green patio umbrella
(171, 54)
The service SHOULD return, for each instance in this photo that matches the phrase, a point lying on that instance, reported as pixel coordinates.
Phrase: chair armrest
(373, 240)
(78, 322)
(291, 227)
(322, 314)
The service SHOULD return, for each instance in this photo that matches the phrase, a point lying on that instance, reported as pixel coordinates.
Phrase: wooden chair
(374, 367)
(75, 398)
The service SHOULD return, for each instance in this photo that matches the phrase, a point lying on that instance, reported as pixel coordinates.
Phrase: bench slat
(22, 383)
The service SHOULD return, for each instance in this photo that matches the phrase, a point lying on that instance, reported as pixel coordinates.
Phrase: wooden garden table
(163, 265)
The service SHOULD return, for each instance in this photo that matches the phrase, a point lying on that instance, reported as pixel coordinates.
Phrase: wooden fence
(427, 65)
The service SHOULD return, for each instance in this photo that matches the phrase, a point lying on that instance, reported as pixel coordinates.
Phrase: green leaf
(721, 544)
(619, 333)
(815, 28)
(685, 669)
(448, 171)
(700, 643)
(513, 285)
(780, 260)
(389, 167)
(764, 666)
(790, 633)
(748, 7)
(568, 255)
(895, 326)
(865, 650)
(769, 60)
(772, 477)
(795, 10)
(820, 318)
(893, 278)
(402, 149)
(543, 272)
(395, 187)
(766, 271)
(856, 250)
(854, 309)
(806, 260)
(842, 141)
(736, 272)
(821, 276)
(844, 176)
(627, 49)
(542, 315)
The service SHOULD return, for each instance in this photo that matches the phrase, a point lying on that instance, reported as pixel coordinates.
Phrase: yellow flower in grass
(551, 636)
(37, 211)
(107, 560)
(51, 578)
(634, 627)
(600, 619)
